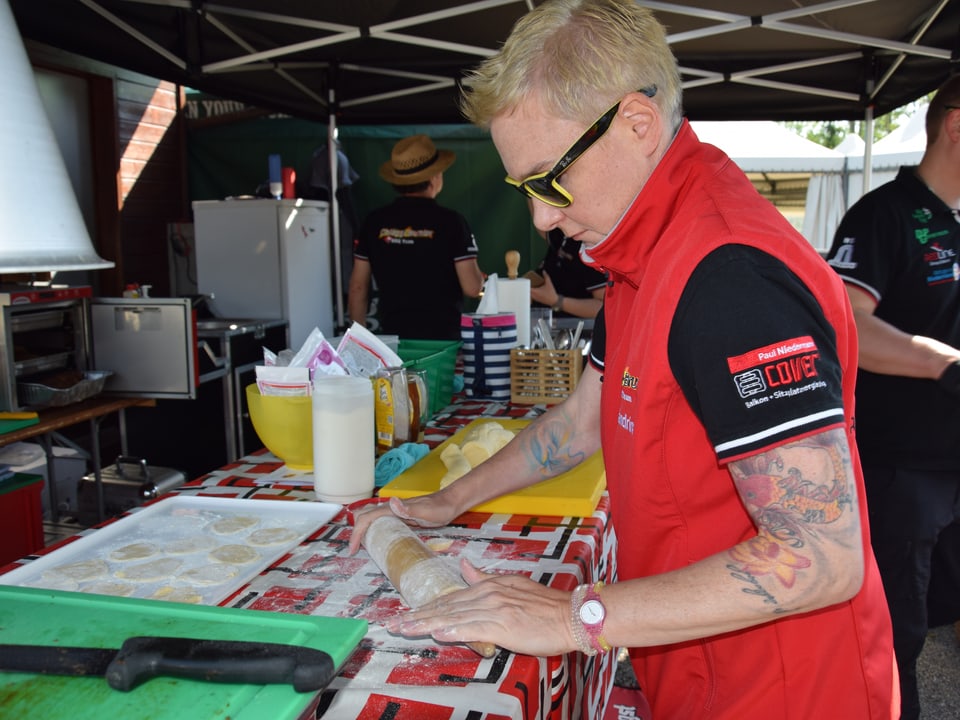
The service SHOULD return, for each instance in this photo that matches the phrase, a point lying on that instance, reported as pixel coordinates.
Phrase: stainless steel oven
(43, 338)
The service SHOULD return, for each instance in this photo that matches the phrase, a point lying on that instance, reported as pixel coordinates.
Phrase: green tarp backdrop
(230, 159)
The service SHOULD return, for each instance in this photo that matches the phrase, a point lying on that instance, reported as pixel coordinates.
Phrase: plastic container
(439, 359)
(343, 438)
(21, 517)
(284, 425)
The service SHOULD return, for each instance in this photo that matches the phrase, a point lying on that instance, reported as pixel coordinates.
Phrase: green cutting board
(41, 617)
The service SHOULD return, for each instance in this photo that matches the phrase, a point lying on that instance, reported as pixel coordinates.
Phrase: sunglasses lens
(546, 192)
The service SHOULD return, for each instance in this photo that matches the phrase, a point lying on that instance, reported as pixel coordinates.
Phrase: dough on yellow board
(479, 443)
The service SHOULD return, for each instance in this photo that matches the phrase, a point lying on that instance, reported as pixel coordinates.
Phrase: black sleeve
(753, 353)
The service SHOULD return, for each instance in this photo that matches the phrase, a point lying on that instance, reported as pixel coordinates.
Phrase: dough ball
(80, 570)
(110, 588)
(175, 594)
(212, 574)
(271, 536)
(233, 524)
(136, 551)
(150, 571)
(189, 545)
(233, 554)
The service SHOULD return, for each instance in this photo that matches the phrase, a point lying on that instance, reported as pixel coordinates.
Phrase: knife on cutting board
(141, 658)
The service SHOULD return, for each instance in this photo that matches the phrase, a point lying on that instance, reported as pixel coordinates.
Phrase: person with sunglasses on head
(898, 251)
(720, 392)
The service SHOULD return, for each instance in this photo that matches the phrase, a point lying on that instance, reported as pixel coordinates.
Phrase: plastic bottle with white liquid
(343, 438)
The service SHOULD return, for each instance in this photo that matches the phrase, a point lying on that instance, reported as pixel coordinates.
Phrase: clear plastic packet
(319, 356)
(278, 380)
(364, 353)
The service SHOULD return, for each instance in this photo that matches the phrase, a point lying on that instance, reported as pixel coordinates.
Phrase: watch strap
(558, 305)
(589, 639)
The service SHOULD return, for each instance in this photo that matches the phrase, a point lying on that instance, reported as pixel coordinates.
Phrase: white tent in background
(780, 164)
(829, 195)
(763, 146)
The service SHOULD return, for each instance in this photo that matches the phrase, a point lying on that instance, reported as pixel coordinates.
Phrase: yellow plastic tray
(573, 494)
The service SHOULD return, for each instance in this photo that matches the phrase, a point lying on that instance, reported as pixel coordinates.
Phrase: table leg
(47, 444)
(95, 460)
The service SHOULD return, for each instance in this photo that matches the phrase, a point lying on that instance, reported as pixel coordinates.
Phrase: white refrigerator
(267, 259)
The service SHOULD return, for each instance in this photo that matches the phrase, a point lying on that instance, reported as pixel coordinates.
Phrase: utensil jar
(343, 438)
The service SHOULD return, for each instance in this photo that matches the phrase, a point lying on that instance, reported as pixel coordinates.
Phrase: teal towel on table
(395, 461)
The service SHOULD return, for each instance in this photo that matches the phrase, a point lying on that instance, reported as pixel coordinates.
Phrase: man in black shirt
(422, 256)
(898, 252)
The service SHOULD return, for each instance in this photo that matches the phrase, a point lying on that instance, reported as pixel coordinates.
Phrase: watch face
(592, 612)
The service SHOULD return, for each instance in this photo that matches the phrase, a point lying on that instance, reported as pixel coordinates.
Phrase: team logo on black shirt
(776, 371)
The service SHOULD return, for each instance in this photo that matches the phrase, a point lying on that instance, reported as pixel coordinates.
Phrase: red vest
(674, 504)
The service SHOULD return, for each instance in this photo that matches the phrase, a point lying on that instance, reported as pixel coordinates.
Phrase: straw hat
(414, 160)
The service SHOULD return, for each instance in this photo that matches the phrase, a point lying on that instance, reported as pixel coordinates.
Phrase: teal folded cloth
(395, 461)
(457, 384)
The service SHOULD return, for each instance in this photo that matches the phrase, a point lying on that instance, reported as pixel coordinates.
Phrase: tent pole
(333, 157)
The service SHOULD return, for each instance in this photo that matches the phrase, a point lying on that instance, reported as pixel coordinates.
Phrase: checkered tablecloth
(393, 677)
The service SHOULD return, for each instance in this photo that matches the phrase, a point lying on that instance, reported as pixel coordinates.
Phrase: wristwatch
(558, 305)
(587, 614)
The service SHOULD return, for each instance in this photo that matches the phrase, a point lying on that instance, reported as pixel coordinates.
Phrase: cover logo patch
(780, 370)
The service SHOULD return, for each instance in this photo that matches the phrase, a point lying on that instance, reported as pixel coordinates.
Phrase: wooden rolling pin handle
(513, 263)
(418, 573)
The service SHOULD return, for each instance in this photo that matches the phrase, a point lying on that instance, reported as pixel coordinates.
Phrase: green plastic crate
(439, 359)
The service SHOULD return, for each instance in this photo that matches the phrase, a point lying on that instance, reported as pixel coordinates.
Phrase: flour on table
(175, 594)
(233, 524)
(150, 571)
(80, 570)
(271, 536)
(135, 551)
(233, 554)
(110, 588)
(189, 545)
(212, 574)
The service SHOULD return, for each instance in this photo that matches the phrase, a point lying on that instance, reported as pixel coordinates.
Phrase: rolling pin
(513, 294)
(418, 573)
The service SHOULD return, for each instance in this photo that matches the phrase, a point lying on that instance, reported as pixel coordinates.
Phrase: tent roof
(765, 146)
(399, 61)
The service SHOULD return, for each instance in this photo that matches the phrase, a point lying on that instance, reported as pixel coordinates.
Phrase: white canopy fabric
(765, 146)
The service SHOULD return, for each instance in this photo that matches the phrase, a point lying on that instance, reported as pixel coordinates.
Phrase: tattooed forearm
(548, 450)
(801, 496)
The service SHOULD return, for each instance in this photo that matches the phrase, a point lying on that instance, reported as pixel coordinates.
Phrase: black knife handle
(225, 661)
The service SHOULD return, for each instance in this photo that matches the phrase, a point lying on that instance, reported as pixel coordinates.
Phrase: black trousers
(915, 533)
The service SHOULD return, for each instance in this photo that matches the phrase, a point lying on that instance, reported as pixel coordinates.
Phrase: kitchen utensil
(574, 493)
(418, 573)
(284, 424)
(167, 524)
(576, 334)
(141, 658)
(51, 617)
(513, 295)
(546, 335)
(563, 340)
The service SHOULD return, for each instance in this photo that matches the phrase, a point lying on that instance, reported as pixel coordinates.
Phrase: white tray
(197, 520)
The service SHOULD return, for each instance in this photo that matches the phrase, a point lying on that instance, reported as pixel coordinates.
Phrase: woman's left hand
(511, 611)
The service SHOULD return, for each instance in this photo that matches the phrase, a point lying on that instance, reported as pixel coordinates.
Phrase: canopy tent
(393, 61)
(830, 193)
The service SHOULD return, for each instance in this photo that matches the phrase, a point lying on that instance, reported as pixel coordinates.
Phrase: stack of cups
(343, 438)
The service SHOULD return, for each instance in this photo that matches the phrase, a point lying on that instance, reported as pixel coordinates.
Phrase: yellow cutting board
(575, 493)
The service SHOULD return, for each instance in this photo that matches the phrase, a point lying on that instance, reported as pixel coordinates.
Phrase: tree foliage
(831, 133)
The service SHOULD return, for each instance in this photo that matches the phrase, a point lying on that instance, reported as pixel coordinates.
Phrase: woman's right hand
(425, 511)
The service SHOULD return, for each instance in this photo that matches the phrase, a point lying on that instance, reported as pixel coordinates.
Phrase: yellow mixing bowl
(284, 426)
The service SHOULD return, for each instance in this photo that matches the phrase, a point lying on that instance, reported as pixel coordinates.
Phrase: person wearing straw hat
(422, 256)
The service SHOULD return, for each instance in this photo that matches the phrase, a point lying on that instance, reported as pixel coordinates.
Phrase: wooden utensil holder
(543, 376)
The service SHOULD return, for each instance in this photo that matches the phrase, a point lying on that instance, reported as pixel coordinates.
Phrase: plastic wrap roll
(418, 574)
